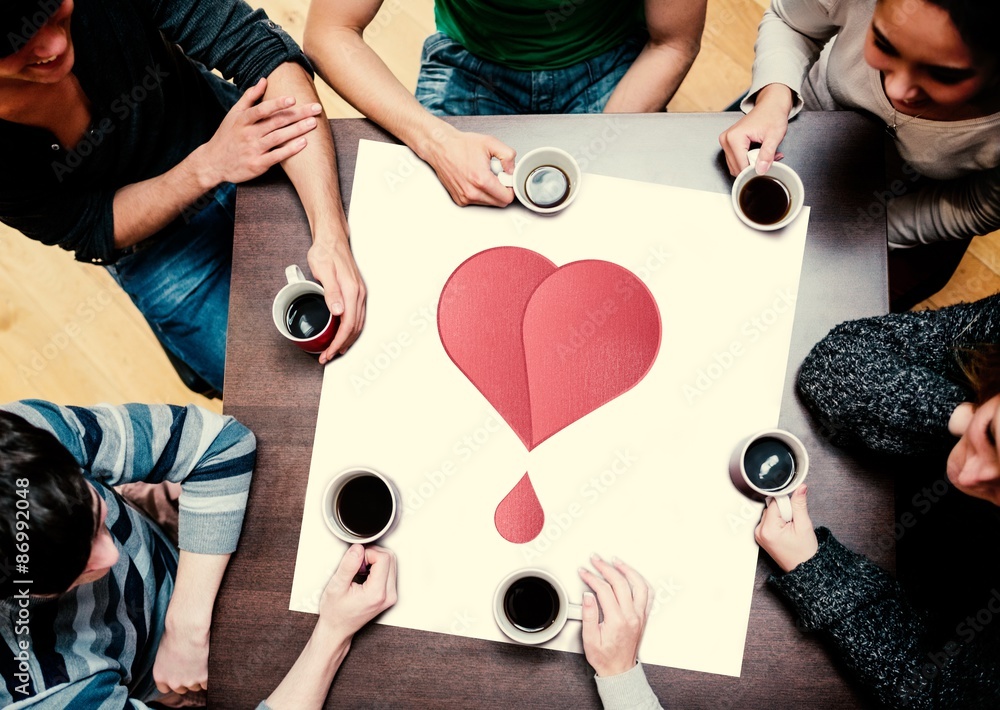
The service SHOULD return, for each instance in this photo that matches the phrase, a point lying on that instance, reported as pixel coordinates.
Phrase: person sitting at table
(930, 71)
(123, 148)
(908, 384)
(99, 609)
(545, 56)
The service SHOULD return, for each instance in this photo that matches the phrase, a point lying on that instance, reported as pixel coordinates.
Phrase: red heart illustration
(545, 345)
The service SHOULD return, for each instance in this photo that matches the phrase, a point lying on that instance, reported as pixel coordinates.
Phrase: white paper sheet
(644, 477)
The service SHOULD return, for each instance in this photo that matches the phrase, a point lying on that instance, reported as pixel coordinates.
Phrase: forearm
(652, 80)
(345, 61)
(947, 210)
(313, 171)
(195, 589)
(144, 208)
(308, 681)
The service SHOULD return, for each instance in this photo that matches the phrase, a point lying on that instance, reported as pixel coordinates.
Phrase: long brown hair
(981, 365)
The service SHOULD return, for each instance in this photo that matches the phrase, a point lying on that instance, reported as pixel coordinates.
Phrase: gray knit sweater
(889, 384)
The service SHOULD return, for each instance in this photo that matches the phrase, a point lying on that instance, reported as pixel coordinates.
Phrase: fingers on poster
(546, 346)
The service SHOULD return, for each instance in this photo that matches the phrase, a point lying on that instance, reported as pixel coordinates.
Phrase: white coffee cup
(750, 476)
(360, 505)
(779, 172)
(545, 180)
(532, 595)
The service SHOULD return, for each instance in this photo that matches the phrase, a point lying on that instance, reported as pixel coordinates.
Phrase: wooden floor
(68, 334)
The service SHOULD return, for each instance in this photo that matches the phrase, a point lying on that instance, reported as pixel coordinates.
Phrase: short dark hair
(54, 528)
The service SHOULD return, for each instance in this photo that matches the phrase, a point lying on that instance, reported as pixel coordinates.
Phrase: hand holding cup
(789, 543)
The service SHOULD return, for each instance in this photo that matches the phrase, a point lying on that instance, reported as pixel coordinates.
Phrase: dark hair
(981, 365)
(976, 22)
(52, 531)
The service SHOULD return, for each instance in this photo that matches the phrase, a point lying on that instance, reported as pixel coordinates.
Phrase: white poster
(642, 477)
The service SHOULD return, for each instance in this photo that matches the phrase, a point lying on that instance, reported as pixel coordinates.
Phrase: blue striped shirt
(94, 646)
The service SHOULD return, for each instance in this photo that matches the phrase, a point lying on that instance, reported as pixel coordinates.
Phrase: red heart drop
(545, 345)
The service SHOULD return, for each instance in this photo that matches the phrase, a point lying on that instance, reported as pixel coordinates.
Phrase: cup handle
(574, 612)
(784, 507)
(752, 156)
(293, 273)
(506, 179)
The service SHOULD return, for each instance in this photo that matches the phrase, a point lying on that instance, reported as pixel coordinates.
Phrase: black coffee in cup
(769, 463)
(364, 505)
(764, 200)
(307, 315)
(547, 186)
(531, 604)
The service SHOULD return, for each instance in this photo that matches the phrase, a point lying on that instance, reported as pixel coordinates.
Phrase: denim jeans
(454, 82)
(180, 282)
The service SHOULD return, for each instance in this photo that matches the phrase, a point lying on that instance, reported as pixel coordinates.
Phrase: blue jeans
(179, 280)
(454, 82)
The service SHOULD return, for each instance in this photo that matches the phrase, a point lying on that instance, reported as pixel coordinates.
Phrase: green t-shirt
(539, 34)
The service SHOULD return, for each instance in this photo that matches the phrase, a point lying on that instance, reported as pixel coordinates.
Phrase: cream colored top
(816, 47)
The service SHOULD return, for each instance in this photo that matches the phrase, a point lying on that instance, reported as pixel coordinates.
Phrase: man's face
(103, 550)
(48, 57)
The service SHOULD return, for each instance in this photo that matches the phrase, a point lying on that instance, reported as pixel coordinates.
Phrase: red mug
(296, 293)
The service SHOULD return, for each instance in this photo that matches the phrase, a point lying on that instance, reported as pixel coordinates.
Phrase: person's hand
(766, 124)
(253, 137)
(346, 606)
(612, 645)
(181, 664)
(788, 544)
(974, 462)
(332, 264)
(462, 163)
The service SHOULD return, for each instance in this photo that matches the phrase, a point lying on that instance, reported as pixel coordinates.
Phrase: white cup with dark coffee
(360, 505)
(545, 180)
(769, 201)
(770, 464)
(531, 607)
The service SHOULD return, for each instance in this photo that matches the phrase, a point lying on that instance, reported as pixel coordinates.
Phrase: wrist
(432, 138)
(330, 642)
(775, 97)
(201, 169)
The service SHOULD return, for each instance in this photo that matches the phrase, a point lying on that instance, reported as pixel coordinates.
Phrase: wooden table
(275, 390)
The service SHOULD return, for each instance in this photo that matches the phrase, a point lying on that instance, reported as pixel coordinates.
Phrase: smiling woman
(926, 69)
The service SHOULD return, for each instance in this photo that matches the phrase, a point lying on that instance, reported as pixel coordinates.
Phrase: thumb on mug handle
(506, 179)
(784, 507)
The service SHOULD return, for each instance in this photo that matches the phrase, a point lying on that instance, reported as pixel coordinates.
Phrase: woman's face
(974, 463)
(927, 69)
(47, 57)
